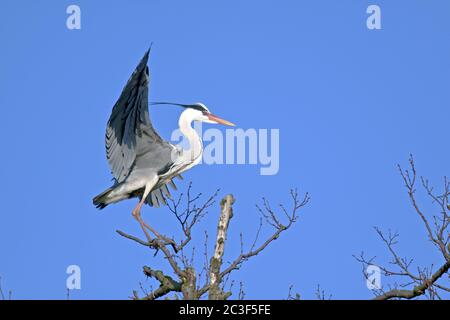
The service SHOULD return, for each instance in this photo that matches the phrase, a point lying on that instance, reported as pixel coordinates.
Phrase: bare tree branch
(417, 290)
(271, 217)
(2, 295)
(188, 214)
(167, 284)
(423, 281)
(216, 261)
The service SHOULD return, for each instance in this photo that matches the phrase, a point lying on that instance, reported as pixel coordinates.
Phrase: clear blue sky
(350, 104)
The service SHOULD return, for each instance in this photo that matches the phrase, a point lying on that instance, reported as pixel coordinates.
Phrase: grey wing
(130, 137)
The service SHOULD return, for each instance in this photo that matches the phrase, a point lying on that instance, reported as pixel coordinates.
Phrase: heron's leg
(137, 210)
(137, 216)
(145, 226)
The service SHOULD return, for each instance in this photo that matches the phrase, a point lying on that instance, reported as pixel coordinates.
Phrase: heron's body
(142, 163)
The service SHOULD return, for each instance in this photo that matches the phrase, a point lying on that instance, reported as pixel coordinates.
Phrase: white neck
(193, 154)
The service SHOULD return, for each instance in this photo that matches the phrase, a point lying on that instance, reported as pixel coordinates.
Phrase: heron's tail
(103, 199)
(117, 193)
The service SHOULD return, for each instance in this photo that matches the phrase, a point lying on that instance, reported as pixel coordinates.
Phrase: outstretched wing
(129, 133)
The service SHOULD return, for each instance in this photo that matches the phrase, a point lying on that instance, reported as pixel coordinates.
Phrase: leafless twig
(423, 281)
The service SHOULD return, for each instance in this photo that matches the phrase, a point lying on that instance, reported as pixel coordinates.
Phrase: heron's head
(202, 113)
(199, 112)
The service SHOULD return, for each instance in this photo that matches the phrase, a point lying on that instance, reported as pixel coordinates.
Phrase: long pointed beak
(215, 118)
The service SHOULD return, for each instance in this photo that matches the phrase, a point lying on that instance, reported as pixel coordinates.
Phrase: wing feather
(130, 134)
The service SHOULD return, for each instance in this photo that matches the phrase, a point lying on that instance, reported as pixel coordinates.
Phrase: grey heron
(142, 163)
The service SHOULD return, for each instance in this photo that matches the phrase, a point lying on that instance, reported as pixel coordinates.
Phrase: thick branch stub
(189, 286)
(167, 284)
(215, 293)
